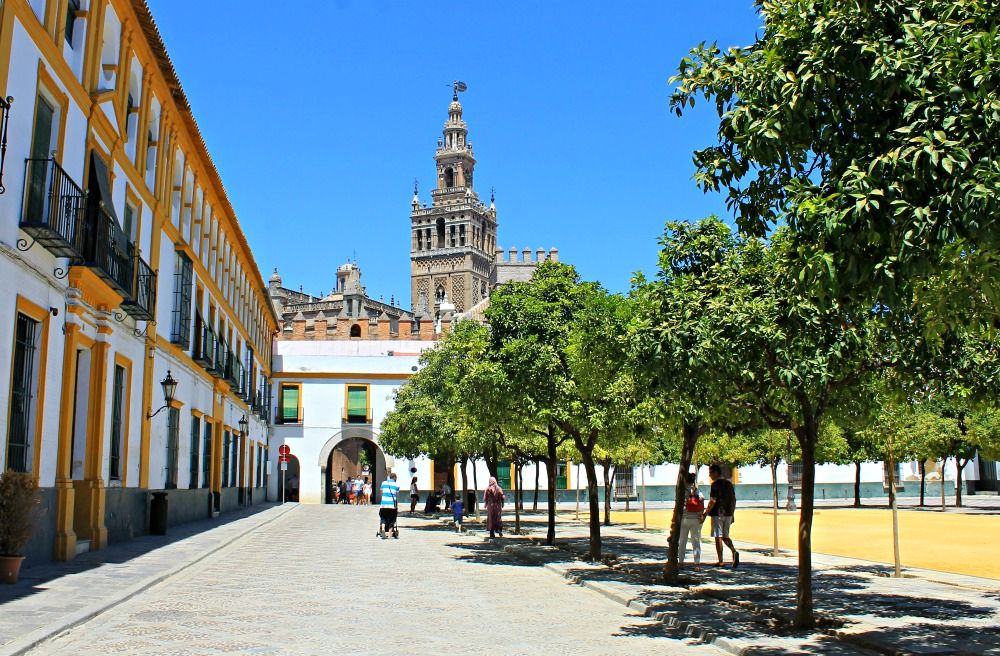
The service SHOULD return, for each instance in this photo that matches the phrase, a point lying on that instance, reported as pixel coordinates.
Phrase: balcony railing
(106, 249)
(218, 368)
(141, 302)
(204, 344)
(289, 416)
(54, 208)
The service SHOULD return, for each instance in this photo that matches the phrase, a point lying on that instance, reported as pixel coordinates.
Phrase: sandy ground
(946, 542)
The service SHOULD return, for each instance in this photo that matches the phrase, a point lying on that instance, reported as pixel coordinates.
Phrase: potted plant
(18, 504)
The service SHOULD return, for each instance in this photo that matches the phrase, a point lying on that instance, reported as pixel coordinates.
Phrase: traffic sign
(284, 450)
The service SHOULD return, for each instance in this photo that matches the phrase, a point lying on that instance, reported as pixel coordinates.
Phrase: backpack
(694, 504)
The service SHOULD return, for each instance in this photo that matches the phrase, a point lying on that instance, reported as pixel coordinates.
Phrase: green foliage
(18, 511)
(870, 128)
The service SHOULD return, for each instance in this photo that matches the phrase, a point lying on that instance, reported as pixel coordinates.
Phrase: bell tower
(454, 239)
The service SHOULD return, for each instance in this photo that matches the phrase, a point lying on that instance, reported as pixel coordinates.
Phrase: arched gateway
(346, 455)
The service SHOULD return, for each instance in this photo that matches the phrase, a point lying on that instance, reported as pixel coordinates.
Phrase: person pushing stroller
(388, 507)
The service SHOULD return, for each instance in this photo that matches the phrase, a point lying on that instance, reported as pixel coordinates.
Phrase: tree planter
(10, 567)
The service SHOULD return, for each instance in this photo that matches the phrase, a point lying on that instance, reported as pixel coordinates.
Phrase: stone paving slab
(744, 611)
(51, 598)
(338, 589)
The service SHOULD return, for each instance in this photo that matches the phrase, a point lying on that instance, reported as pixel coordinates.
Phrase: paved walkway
(746, 610)
(315, 580)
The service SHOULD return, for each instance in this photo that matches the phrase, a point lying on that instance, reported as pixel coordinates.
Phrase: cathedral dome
(455, 107)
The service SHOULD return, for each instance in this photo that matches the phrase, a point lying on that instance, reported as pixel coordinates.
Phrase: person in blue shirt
(458, 510)
(388, 507)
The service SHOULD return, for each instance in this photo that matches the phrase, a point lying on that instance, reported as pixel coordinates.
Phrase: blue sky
(319, 116)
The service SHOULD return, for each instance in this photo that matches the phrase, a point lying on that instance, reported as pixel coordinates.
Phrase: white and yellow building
(122, 262)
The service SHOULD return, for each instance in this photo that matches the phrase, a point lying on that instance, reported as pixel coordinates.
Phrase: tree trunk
(520, 485)
(857, 483)
(923, 480)
(517, 493)
(465, 482)
(475, 487)
(774, 508)
(891, 475)
(944, 463)
(807, 435)
(690, 433)
(587, 455)
(550, 474)
(608, 471)
(534, 504)
(959, 465)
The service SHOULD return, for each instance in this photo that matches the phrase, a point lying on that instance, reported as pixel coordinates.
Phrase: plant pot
(10, 567)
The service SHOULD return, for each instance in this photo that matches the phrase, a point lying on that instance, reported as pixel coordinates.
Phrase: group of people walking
(721, 508)
(356, 491)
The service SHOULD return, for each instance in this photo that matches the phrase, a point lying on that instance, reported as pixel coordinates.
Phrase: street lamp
(169, 388)
(244, 425)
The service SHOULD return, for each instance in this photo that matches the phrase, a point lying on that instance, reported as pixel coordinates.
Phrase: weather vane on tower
(458, 87)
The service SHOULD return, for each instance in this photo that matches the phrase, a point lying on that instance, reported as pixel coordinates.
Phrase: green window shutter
(290, 403)
(357, 402)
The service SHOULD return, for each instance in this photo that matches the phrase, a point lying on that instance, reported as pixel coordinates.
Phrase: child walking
(458, 510)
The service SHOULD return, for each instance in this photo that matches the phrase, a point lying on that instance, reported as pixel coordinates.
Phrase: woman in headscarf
(494, 502)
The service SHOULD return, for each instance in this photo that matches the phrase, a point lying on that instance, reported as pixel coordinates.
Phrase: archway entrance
(292, 481)
(351, 457)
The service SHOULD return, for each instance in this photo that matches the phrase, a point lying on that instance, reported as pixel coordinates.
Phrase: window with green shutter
(503, 474)
(290, 404)
(357, 404)
(561, 482)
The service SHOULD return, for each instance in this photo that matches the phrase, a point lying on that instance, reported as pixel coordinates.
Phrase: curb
(23, 644)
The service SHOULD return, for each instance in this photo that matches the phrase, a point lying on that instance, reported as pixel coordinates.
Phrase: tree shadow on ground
(35, 579)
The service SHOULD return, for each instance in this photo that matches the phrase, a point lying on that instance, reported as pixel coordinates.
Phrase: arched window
(440, 233)
(355, 330)
(449, 177)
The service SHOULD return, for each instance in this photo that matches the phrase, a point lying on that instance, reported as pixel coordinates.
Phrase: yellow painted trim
(6, 39)
(132, 198)
(96, 293)
(368, 400)
(339, 375)
(126, 364)
(65, 538)
(281, 396)
(197, 413)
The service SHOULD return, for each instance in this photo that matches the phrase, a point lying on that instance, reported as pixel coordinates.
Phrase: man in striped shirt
(388, 507)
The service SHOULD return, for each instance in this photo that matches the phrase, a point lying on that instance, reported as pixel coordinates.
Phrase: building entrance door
(352, 457)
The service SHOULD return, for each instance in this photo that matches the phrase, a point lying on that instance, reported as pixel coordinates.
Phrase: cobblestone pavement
(317, 581)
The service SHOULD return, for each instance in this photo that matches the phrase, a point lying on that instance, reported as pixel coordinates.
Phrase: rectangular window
(562, 483)
(72, 7)
(117, 425)
(357, 404)
(260, 465)
(225, 459)
(234, 462)
(23, 394)
(41, 151)
(206, 455)
(181, 329)
(290, 404)
(130, 226)
(173, 442)
(193, 467)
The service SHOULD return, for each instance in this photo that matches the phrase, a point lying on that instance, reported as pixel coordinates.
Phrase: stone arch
(381, 466)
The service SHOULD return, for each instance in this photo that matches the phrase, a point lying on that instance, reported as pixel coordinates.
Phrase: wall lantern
(5, 104)
(169, 388)
(244, 425)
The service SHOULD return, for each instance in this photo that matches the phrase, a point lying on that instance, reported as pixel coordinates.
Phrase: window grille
(117, 424)
(234, 461)
(193, 468)
(206, 455)
(225, 459)
(22, 394)
(173, 440)
(180, 333)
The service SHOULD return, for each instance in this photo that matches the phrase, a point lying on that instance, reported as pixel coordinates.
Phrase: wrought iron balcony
(289, 416)
(141, 302)
(204, 343)
(106, 250)
(218, 368)
(54, 209)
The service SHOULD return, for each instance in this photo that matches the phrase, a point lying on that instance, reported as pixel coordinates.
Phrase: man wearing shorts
(721, 508)
(388, 507)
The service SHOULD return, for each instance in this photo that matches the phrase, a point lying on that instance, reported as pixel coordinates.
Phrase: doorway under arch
(292, 479)
(354, 456)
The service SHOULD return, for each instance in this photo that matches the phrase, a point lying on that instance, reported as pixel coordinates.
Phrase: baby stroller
(387, 522)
